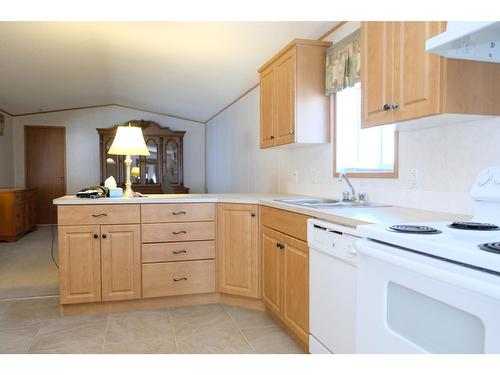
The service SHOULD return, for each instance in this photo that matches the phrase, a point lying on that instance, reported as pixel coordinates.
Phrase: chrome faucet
(346, 196)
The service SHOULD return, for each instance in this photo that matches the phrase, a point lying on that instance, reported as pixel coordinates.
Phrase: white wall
(235, 162)
(447, 159)
(82, 143)
(6, 154)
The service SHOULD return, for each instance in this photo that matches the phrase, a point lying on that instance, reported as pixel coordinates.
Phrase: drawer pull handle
(179, 213)
(180, 232)
(181, 279)
(179, 252)
(99, 215)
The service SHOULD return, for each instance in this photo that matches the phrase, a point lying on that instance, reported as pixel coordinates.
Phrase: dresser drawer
(176, 278)
(173, 212)
(175, 251)
(171, 232)
(98, 214)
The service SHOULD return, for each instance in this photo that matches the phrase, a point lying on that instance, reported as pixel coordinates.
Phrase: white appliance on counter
(433, 287)
(332, 287)
(478, 41)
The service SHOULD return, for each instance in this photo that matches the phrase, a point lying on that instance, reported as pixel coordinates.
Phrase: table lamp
(128, 141)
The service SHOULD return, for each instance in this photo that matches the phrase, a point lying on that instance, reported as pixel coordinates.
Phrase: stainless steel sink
(322, 203)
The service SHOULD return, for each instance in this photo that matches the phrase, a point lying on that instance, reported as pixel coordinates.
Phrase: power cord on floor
(52, 245)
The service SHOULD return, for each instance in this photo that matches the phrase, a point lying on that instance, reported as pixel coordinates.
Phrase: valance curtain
(343, 64)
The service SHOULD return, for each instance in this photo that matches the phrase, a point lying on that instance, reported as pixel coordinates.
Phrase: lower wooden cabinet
(17, 212)
(79, 264)
(238, 249)
(120, 262)
(285, 278)
(99, 263)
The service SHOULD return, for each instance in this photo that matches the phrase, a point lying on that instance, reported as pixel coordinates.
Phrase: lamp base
(128, 193)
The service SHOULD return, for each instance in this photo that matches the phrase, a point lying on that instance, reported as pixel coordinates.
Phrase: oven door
(412, 303)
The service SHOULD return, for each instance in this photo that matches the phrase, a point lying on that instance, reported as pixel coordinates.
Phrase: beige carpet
(26, 269)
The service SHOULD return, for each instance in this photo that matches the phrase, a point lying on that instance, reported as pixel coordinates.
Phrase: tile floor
(33, 326)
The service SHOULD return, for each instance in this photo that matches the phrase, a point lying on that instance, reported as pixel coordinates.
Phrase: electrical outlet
(413, 178)
(294, 176)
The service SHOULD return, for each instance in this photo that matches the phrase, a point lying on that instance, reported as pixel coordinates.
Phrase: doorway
(45, 167)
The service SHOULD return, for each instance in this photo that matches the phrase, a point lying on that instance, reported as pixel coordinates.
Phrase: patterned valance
(343, 64)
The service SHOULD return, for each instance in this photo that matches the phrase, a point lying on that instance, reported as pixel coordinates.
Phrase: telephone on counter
(93, 192)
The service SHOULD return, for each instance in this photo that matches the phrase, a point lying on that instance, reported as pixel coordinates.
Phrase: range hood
(478, 41)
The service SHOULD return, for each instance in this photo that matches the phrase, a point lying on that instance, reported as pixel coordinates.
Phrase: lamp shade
(128, 141)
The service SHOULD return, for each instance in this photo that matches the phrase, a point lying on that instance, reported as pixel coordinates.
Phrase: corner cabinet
(165, 159)
(293, 106)
(401, 82)
(238, 249)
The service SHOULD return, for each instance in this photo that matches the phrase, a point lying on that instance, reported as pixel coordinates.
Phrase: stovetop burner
(470, 225)
(414, 229)
(492, 247)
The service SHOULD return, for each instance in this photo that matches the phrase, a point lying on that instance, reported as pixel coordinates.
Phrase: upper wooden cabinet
(293, 106)
(238, 249)
(402, 82)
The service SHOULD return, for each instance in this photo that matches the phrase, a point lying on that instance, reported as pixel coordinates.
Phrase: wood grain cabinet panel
(176, 251)
(272, 266)
(293, 107)
(120, 262)
(401, 82)
(173, 232)
(172, 213)
(79, 264)
(296, 287)
(177, 278)
(238, 249)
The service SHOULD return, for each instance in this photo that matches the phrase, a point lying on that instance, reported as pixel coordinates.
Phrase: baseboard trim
(158, 303)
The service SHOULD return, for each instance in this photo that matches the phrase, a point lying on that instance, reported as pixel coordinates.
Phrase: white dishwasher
(332, 287)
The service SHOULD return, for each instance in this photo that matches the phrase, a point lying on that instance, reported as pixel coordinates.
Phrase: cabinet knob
(252, 214)
(96, 235)
(104, 236)
(291, 132)
(280, 246)
(272, 137)
(387, 107)
(394, 105)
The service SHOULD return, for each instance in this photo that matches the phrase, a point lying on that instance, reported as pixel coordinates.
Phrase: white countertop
(348, 216)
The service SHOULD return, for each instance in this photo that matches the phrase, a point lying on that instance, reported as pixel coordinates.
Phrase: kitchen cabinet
(100, 261)
(120, 262)
(238, 249)
(400, 82)
(17, 213)
(293, 107)
(285, 270)
(79, 263)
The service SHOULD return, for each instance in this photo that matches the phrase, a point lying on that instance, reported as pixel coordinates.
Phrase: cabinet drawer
(173, 213)
(172, 232)
(287, 222)
(175, 251)
(99, 214)
(176, 278)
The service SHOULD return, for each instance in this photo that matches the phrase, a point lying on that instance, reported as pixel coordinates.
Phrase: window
(368, 152)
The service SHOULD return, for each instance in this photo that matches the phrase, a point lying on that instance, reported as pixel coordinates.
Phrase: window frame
(362, 174)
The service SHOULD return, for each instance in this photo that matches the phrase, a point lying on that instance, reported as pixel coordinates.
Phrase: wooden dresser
(17, 213)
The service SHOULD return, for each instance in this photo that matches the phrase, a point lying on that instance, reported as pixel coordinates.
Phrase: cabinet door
(271, 269)
(416, 72)
(296, 287)
(79, 263)
(238, 249)
(284, 75)
(267, 108)
(120, 262)
(377, 73)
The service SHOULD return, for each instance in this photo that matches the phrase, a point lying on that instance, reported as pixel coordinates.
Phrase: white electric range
(432, 287)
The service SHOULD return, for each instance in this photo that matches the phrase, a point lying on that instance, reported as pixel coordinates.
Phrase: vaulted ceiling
(186, 69)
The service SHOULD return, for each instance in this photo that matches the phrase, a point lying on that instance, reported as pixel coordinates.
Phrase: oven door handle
(375, 250)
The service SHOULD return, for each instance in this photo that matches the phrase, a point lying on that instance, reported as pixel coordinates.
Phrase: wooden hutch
(166, 149)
